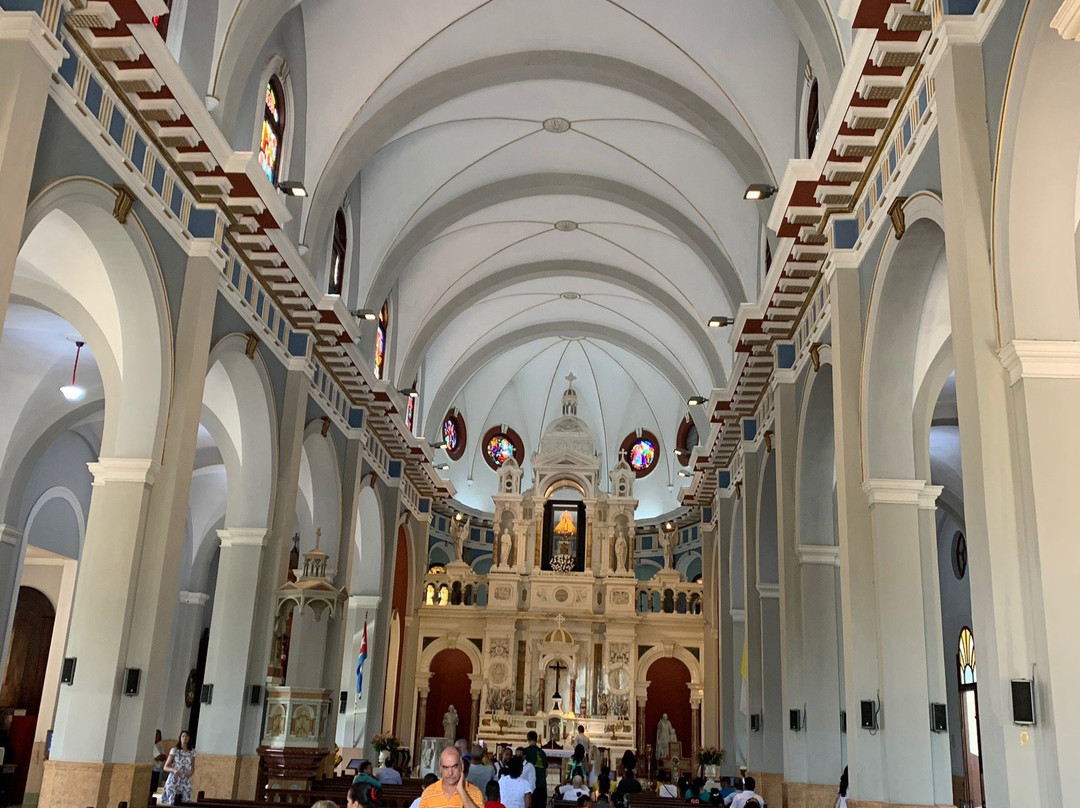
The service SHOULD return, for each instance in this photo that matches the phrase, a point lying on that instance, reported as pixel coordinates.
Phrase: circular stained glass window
(500, 449)
(642, 455)
(453, 434)
(449, 433)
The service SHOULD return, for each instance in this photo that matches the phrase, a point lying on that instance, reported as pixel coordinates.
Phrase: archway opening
(669, 694)
(450, 687)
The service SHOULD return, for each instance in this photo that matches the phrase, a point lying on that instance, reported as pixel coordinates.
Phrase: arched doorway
(669, 693)
(450, 685)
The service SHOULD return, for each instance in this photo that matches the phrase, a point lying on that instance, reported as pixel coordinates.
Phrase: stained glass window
(337, 255)
(380, 341)
(454, 434)
(273, 129)
(813, 120)
(450, 436)
(642, 455)
(410, 412)
(966, 657)
(500, 449)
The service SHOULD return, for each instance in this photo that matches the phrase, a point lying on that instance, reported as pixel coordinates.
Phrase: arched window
(380, 341)
(454, 434)
(686, 439)
(813, 119)
(410, 409)
(337, 255)
(500, 444)
(642, 451)
(273, 129)
(965, 657)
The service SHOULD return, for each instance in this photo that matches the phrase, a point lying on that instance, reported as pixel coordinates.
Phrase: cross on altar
(558, 667)
(559, 620)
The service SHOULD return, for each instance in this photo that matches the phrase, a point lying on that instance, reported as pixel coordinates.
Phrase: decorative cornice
(901, 492)
(243, 536)
(10, 535)
(364, 601)
(1040, 359)
(827, 555)
(769, 591)
(738, 615)
(1067, 20)
(29, 27)
(124, 470)
(194, 598)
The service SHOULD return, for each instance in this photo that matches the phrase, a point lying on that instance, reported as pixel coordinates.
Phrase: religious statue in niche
(450, 722)
(621, 546)
(564, 536)
(459, 529)
(665, 736)
(504, 548)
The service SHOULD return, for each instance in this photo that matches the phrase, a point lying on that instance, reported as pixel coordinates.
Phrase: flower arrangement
(385, 742)
(710, 756)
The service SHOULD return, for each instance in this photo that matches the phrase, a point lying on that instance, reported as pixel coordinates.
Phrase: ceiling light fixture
(759, 190)
(694, 401)
(685, 473)
(292, 188)
(720, 322)
(441, 467)
(681, 452)
(365, 314)
(73, 392)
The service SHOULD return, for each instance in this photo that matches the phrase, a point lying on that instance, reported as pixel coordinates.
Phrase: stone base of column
(770, 786)
(33, 779)
(809, 795)
(227, 777)
(67, 784)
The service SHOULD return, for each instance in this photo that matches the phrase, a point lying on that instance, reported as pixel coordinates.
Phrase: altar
(559, 633)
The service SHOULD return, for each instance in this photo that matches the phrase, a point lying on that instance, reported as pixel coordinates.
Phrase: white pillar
(750, 490)
(729, 652)
(773, 717)
(28, 57)
(185, 650)
(352, 726)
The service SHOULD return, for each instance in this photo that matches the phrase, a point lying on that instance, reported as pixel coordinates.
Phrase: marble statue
(504, 548)
(459, 529)
(620, 550)
(665, 735)
(669, 548)
(450, 722)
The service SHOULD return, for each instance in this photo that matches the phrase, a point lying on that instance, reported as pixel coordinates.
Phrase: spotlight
(443, 467)
(694, 401)
(411, 392)
(759, 191)
(365, 314)
(685, 473)
(292, 188)
(73, 392)
(440, 445)
(720, 322)
(682, 453)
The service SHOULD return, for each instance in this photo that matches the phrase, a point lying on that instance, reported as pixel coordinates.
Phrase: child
(492, 795)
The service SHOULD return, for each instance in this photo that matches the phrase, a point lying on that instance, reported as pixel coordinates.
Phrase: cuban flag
(360, 662)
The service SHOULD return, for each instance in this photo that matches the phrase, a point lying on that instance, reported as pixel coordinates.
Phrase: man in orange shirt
(453, 790)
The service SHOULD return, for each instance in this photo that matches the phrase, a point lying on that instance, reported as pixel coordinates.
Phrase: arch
(320, 490)
(408, 246)
(238, 411)
(908, 317)
(367, 563)
(63, 494)
(103, 277)
(815, 469)
(28, 657)
(681, 313)
(452, 668)
(686, 562)
(664, 696)
(768, 560)
(926, 399)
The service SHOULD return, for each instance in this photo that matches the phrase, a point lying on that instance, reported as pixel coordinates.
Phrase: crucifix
(558, 667)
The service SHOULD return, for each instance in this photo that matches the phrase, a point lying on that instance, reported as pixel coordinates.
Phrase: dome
(560, 635)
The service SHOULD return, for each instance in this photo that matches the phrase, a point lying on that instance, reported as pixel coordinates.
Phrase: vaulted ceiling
(549, 187)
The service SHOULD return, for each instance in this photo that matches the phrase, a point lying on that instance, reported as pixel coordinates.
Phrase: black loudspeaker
(795, 720)
(256, 695)
(843, 721)
(939, 718)
(131, 681)
(1023, 701)
(207, 695)
(755, 722)
(67, 673)
(868, 714)
(344, 702)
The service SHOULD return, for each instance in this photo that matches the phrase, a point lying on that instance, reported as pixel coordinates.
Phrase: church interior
(692, 375)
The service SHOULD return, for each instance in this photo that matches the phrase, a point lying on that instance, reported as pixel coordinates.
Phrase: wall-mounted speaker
(344, 701)
(843, 721)
(868, 714)
(755, 722)
(131, 681)
(939, 718)
(256, 695)
(67, 672)
(1023, 701)
(795, 720)
(207, 694)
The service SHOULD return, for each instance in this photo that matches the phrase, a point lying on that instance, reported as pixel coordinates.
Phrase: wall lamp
(694, 401)
(685, 473)
(443, 467)
(292, 188)
(758, 190)
(682, 453)
(365, 314)
(411, 392)
(720, 322)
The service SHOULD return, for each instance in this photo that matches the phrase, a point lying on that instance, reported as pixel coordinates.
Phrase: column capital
(1040, 359)
(30, 28)
(124, 470)
(10, 535)
(901, 492)
(243, 536)
(208, 249)
(738, 615)
(194, 598)
(770, 591)
(364, 601)
(827, 555)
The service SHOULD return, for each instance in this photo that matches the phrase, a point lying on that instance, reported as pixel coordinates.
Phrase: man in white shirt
(740, 798)
(570, 792)
(582, 739)
(528, 771)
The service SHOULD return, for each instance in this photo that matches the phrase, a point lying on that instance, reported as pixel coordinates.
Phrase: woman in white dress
(180, 767)
(513, 788)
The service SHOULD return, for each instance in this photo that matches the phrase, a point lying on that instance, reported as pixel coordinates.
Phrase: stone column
(80, 771)
(421, 714)
(857, 570)
(476, 689)
(352, 726)
(641, 693)
(696, 693)
(773, 717)
(1007, 495)
(189, 624)
(755, 752)
(28, 58)
(727, 652)
(711, 696)
(12, 552)
(912, 673)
